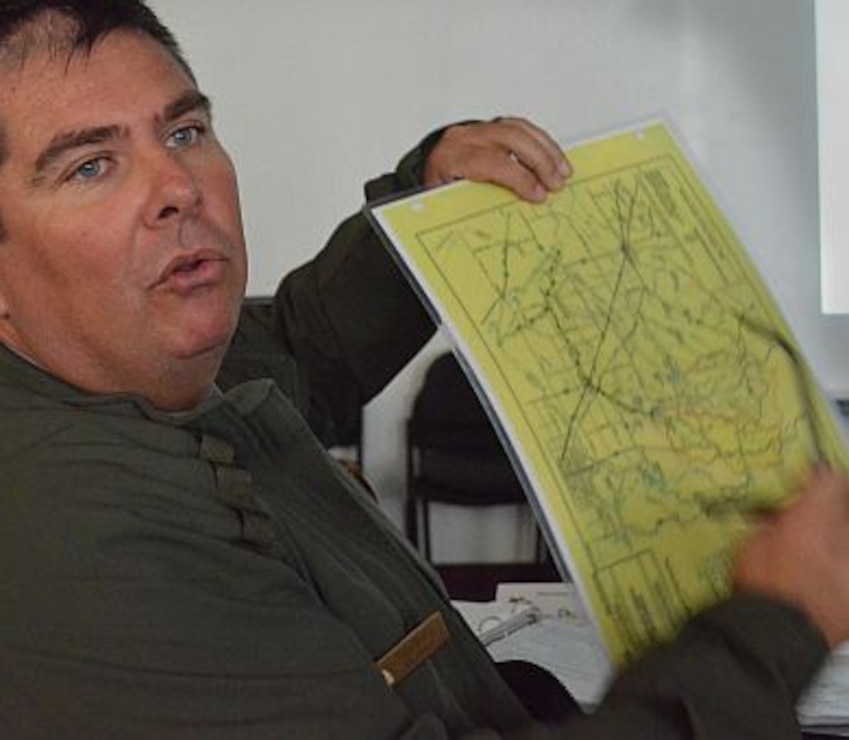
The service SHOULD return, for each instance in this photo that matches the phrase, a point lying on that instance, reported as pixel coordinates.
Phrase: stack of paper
(825, 707)
(547, 627)
(495, 620)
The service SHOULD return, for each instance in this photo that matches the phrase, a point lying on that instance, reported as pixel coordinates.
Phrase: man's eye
(184, 137)
(89, 170)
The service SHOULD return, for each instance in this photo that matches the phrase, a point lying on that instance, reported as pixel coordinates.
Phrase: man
(178, 563)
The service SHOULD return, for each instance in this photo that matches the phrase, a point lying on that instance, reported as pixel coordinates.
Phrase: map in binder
(635, 365)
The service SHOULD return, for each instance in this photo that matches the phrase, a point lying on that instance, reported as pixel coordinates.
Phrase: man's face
(123, 265)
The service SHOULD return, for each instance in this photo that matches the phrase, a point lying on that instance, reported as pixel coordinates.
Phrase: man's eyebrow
(68, 140)
(63, 142)
(189, 101)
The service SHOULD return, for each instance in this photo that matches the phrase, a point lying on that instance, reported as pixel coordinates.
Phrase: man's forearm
(735, 673)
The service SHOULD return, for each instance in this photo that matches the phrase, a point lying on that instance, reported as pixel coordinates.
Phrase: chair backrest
(447, 414)
(454, 455)
(459, 456)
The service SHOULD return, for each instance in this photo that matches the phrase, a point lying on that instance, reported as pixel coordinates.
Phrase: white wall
(315, 96)
(833, 109)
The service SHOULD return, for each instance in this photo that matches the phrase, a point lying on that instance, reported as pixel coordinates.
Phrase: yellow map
(651, 391)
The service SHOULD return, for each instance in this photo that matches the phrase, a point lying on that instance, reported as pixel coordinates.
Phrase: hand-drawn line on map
(803, 383)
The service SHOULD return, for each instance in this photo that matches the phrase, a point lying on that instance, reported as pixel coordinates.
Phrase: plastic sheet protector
(638, 370)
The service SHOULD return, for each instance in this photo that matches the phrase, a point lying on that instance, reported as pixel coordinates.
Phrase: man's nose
(174, 189)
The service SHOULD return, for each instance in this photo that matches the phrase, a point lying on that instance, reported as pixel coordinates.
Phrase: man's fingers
(501, 168)
(538, 151)
(801, 554)
(824, 497)
(510, 152)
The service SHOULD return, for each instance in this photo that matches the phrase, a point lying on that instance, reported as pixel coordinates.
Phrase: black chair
(454, 455)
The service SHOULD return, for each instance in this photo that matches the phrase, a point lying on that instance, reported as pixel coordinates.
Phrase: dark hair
(91, 20)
